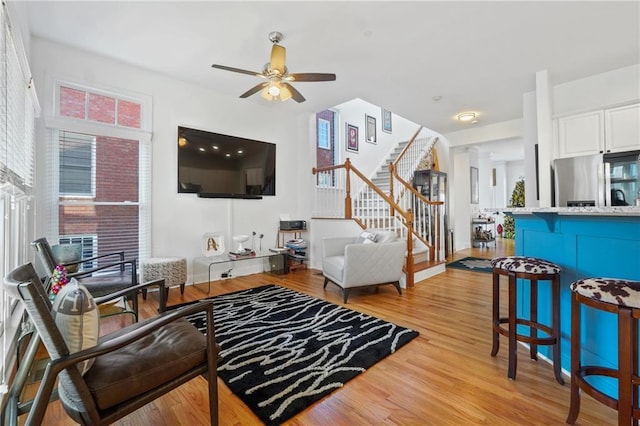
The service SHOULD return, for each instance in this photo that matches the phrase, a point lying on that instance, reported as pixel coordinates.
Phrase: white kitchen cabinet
(622, 128)
(581, 134)
(599, 132)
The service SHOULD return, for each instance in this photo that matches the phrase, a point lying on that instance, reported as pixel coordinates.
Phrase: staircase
(373, 212)
(388, 201)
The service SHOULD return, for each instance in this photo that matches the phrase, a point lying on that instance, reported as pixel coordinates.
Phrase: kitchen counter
(584, 242)
(577, 211)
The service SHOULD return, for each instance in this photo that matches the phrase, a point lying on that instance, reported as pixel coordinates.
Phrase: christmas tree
(517, 200)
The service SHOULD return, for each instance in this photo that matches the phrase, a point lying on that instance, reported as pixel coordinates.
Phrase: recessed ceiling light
(201, 149)
(437, 98)
(466, 116)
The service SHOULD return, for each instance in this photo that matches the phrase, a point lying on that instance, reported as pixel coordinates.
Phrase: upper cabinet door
(581, 134)
(622, 128)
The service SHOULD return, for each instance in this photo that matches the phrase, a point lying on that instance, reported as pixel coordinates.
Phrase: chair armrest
(126, 291)
(334, 246)
(121, 264)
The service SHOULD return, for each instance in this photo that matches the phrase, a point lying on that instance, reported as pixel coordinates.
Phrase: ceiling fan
(277, 75)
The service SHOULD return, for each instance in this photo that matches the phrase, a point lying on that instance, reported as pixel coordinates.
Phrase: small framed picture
(352, 138)
(213, 244)
(370, 129)
(387, 126)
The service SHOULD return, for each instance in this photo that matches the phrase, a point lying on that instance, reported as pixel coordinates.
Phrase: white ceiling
(477, 55)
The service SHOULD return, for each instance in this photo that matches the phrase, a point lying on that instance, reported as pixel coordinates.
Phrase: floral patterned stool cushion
(609, 290)
(529, 265)
(172, 269)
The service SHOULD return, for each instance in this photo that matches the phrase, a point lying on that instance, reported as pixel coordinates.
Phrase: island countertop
(571, 211)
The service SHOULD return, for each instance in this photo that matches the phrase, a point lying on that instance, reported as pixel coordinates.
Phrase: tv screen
(224, 166)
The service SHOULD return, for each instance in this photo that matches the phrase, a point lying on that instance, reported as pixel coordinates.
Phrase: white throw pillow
(366, 237)
(77, 318)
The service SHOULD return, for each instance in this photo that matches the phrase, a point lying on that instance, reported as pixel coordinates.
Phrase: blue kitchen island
(585, 242)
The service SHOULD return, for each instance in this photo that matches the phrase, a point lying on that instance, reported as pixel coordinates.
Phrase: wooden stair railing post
(348, 213)
(410, 267)
(391, 168)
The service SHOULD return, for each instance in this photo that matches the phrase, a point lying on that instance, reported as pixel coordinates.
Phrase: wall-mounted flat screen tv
(213, 165)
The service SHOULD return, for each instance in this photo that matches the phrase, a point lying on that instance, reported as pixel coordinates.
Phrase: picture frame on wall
(475, 190)
(370, 129)
(387, 125)
(352, 138)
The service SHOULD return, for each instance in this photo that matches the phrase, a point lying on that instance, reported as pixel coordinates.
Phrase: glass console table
(276, 262)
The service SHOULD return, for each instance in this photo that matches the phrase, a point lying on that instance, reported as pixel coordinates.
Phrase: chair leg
(326, 281)
(625, 410)
(513, 359)
(574, 401)
(144, 294)
(397, 286)
(533, 316)
(555, 320)
(182, 288)
(345, 295)
(495, 314)
(166, 293)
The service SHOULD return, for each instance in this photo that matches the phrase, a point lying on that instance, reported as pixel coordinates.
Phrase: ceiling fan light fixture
(466, 116)
(274, 89)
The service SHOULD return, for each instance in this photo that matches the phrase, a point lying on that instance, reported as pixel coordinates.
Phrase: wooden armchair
(130, 367)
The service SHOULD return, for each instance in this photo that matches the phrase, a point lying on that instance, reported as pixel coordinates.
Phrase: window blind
(18, 108)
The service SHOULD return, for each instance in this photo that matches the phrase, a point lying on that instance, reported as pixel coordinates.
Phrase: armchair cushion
(145, 364)
(77, 318)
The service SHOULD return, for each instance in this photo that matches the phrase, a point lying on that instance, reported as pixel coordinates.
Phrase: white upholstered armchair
(367, 260)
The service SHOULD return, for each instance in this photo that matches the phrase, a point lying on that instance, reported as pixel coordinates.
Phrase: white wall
(609, 89)
(179, 220)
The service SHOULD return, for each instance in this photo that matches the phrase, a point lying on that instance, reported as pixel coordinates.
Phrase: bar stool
(621, 297)
(534, 270)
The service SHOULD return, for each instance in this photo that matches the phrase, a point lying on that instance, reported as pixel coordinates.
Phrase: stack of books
(298, 248)
(241, 254)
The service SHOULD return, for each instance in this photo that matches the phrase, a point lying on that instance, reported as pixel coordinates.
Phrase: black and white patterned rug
(282, 350)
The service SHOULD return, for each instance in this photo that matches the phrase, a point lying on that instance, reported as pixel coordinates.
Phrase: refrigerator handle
(607, 183)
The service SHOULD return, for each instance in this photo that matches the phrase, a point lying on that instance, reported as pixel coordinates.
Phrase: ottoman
(172, 269)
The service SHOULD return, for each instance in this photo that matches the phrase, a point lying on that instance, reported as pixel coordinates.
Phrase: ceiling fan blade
(254, 89)
(297, 96)
(278, 56)
(311, 76)
(241, 71)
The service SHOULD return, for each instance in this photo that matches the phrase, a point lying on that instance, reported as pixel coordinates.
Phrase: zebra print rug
(282, 350)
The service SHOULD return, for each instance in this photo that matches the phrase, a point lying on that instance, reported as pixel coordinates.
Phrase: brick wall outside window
(72, 103)
(102, 108)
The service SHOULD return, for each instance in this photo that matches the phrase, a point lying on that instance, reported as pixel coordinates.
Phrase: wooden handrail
(407, 146)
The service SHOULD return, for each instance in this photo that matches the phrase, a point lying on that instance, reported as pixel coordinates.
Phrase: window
(88, 243)
(326, 151)
(18, 107)
(99, 167)
(324, 138)
(77, 161)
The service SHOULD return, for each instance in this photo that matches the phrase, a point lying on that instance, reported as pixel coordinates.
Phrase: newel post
(410, 266)
(347, 199)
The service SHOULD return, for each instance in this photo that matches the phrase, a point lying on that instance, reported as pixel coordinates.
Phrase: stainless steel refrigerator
(597, 180)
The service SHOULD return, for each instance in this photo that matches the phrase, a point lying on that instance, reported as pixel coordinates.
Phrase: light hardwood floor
(446, 376)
